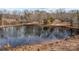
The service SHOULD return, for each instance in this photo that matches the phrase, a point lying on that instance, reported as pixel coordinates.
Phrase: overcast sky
(46, 9)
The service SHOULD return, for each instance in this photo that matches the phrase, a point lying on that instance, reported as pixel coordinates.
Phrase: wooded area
(8, 17)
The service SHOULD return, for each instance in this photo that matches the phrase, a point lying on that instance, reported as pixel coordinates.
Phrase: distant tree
(45, 21)
(0, 16)
(50, 20)
(60, 13)
(27, 15)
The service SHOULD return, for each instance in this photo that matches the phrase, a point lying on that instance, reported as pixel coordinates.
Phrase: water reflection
(31, 34)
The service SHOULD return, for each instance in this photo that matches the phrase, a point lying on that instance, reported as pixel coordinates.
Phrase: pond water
(30, 35)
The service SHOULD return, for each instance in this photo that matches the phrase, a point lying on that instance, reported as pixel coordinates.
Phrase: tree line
(42, 15)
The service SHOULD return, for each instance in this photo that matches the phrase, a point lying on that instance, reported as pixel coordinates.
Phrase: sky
(45, 9)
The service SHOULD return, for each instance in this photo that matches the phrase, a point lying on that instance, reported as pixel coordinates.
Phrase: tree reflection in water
(31, 34)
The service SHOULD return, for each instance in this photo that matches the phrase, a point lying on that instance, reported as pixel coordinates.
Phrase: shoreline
(71, 44)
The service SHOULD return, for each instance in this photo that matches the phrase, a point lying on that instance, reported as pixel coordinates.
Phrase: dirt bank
(70, 44)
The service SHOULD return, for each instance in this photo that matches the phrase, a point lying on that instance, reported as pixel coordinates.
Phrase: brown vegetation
(42, 17)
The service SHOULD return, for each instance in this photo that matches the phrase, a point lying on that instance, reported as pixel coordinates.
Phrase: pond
(31, 35)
